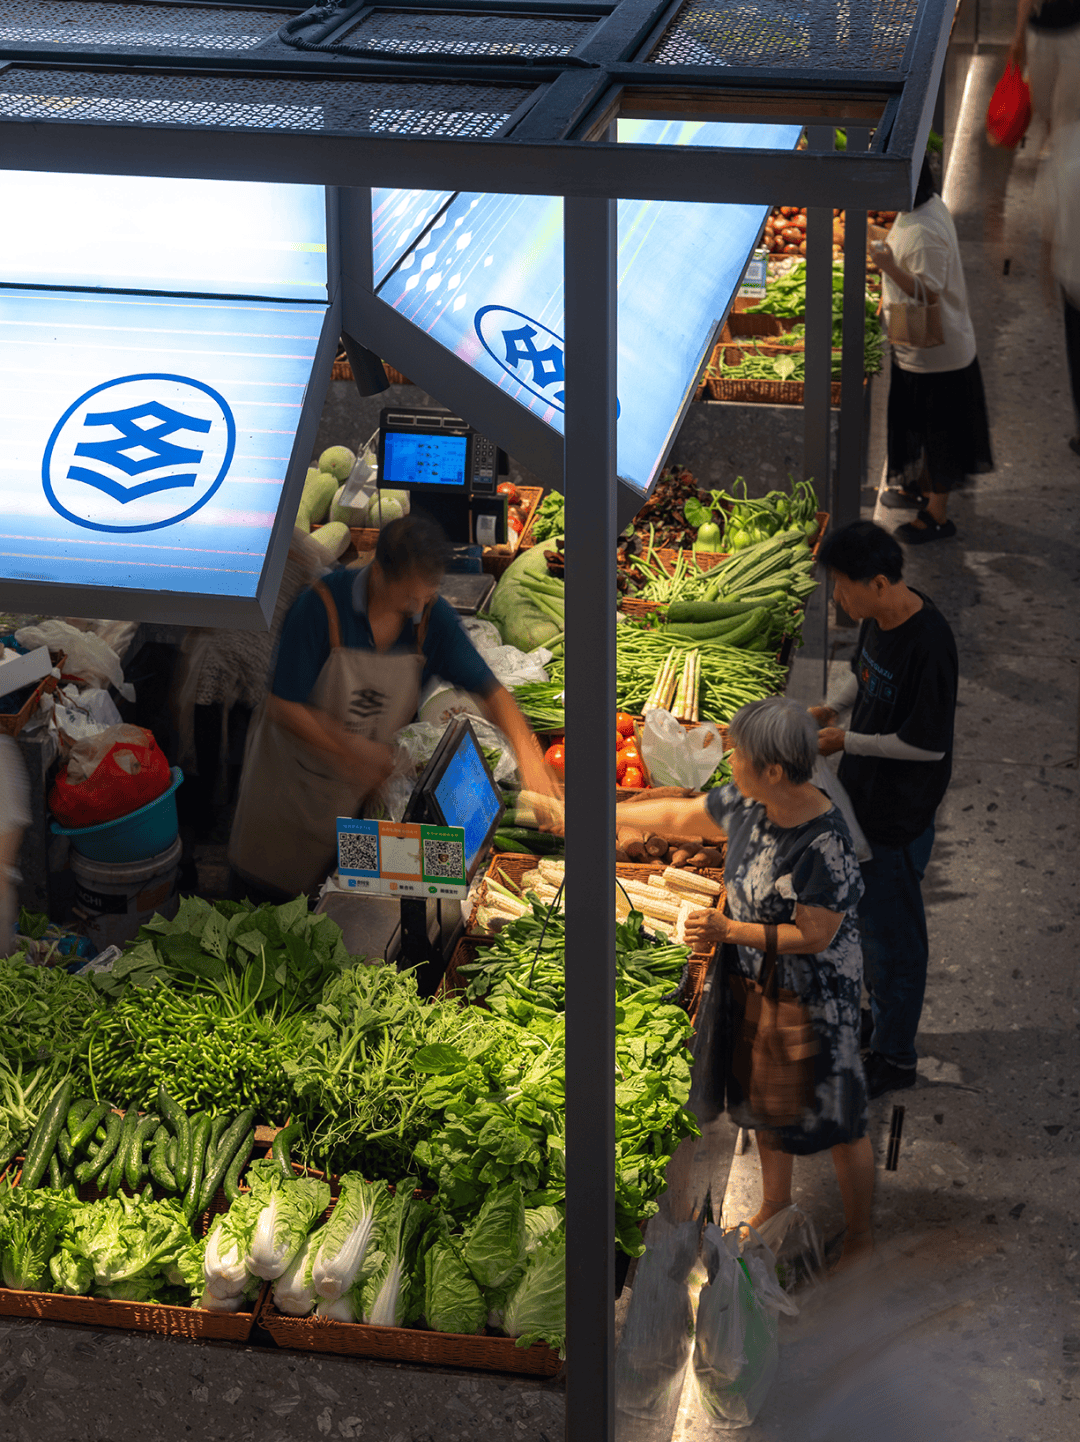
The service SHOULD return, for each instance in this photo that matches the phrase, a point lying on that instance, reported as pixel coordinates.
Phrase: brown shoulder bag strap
(422, 629)
(770, 979)
(331, 614)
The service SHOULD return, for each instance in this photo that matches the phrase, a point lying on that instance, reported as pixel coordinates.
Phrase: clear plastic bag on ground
(675, 756)
(736, 1352)
(659, 1334)
(793, 1241)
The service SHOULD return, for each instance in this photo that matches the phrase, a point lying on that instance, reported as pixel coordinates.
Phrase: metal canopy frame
(525, 116)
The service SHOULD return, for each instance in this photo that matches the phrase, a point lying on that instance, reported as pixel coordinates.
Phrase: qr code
(444, 858)
(358, 852)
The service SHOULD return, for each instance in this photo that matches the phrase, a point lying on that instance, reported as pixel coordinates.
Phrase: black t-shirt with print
(907, 687)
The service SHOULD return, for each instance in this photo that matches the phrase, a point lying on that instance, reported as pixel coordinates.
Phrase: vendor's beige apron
(285, 831)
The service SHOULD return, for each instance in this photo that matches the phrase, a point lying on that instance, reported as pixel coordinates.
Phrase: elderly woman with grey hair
(791, 863)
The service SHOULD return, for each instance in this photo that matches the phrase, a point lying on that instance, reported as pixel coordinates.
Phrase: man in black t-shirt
(896, 763)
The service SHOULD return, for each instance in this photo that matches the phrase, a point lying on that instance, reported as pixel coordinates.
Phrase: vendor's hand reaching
(705, 930)
(830, 739)
(823, 715)
(367, 763)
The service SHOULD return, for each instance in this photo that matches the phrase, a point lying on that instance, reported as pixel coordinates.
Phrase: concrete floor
(969, 1329)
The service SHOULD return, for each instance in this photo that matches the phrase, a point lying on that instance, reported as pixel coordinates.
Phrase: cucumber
(232, 1176)
(85, 1128)
(200, 1137)
(64, 1150)
(721, 632)
(699, 611)
(118, 1164)
(170, 1154)
(282, 1150)
(160, 1170)
(134, 1165)
(507, 843)
(184, 1155)
(76, 1112)
(523, 838)
(42, 1142)
(219, 1164)
(91, 1170)
(218, 1128)
(55, 1179)
(147, 1193)
(100, 1133)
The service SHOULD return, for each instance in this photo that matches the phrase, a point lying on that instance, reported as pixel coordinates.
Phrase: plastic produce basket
(134, 837)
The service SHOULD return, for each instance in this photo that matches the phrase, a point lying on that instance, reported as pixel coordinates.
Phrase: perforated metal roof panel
(449, 32)
(86, 24)
(392, 107)
(804, 34)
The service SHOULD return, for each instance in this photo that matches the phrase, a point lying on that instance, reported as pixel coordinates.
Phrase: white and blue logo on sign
(527, 351)
(138, 453)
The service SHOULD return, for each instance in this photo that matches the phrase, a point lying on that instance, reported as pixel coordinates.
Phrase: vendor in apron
(355, 651)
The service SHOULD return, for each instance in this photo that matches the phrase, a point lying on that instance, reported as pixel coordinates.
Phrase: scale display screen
(466, 797)
(416, 460)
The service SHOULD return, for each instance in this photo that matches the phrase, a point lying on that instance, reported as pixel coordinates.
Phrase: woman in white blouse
(938, 432)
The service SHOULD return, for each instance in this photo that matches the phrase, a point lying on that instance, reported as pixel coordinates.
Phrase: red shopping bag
(1009, 113)
(108, 776)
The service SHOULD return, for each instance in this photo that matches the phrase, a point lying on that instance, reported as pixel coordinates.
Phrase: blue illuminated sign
(99, 464)
(485, 279)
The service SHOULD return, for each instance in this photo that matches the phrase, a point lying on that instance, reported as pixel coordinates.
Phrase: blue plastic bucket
(134, 837)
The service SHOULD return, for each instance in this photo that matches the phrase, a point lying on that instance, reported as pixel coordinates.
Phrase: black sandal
(900, 498)
(930, 530)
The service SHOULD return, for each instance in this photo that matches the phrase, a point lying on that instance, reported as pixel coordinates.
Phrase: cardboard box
(24, 670)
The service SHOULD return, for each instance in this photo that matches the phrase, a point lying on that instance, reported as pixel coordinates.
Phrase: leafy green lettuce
(536, 1308)
(124, 1237)
(495, 1245)
(452, 1300)
(29, 1223)
(393, 1294)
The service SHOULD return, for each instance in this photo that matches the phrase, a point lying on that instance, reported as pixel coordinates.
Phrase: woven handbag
(915, 321)
(772, 1058)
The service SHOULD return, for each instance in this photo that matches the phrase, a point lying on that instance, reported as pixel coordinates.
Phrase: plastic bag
(1009, 112)
(792, 1239)
(658, 1336)
(109, 775)
(736, 1353)
(416, 745)
(826, 779)
(675, 756)
(511, 666)
(89, 658)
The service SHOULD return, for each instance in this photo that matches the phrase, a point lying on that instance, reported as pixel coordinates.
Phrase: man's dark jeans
(895, 949)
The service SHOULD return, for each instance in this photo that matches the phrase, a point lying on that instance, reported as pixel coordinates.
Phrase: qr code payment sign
(358, 851)
(444, 859)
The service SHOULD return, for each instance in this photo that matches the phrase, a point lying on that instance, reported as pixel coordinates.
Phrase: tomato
(509, 490)
(633, 779)
(620, 766)
(631, 755)
(515, 524)
(555, 757)
(624, 724)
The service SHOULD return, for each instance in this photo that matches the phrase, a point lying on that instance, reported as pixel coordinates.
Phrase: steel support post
(817, 391)
(589, 238)
(853, 413)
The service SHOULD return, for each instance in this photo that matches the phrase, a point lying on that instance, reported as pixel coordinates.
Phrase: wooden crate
(406, 1344)
(191, 1322)
(496, 559)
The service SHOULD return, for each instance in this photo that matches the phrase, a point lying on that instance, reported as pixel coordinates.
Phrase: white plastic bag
(658, 1336)
(793, 1240)
(88, 656)
(826, 779)
(511, 666)
(676, 757)
(416, 745)
(736, 1353)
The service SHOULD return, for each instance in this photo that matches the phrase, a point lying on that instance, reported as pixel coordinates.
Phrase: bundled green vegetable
(549, 517)
(527, 604)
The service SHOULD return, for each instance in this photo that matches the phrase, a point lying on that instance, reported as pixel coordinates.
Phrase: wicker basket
(190, 1322)
(407, 1344)
(342, 371)
(12, 722)
(497, 558)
